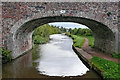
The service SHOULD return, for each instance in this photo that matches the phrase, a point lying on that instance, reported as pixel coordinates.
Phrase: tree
(75, 31)
(86, 32)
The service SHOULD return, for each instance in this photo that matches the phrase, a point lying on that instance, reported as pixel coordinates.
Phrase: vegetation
(41, 34)
(91, 40)
(110, 68)
(35, 53)
(115, 55)
(6, 55)
(68, 34)
(62, 30)
(78, 41)
(79, 36)
(81, 32)
(39, 40)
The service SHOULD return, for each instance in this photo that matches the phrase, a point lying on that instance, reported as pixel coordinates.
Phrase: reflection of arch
(104, 37)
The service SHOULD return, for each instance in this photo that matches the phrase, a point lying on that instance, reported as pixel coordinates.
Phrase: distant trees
(41, 34)
(79, 31)
(46, 30)
(62, 30)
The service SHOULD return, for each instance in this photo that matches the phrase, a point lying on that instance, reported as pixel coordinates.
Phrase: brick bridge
(19, 19)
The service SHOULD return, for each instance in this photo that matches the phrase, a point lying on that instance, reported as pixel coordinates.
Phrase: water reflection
(58, 59)
(18, 68)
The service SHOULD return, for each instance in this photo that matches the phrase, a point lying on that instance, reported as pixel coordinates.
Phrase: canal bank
(105, 65)
(86, 58)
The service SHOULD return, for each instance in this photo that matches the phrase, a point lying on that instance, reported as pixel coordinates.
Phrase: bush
(40, 40)
(67, 33)
(116, 55)
(6, 55)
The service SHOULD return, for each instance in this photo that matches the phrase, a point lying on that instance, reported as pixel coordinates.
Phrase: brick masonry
(19, 19)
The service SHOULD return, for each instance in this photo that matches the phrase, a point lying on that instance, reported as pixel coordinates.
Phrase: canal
(54, 59)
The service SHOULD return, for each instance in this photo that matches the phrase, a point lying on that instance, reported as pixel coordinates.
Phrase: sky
(68, 25)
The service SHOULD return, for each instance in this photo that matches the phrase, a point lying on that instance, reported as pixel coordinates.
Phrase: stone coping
(60, 0)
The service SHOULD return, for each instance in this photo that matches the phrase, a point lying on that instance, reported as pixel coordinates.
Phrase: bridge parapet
(17, 15)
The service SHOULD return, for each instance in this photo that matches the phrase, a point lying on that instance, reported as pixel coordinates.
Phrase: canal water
(53, 59)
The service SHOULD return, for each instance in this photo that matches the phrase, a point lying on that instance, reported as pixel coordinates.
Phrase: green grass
(110, 68)
(78, 41)
(91, 40)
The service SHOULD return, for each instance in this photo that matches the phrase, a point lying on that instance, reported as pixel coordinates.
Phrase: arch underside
(104, 37)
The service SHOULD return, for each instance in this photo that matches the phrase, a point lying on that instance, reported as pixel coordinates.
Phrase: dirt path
(97, 53)
(86, 47)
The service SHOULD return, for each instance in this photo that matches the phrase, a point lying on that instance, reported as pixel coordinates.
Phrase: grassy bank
(78, 41)
(110, 69)
(90, 39)
(82, 33)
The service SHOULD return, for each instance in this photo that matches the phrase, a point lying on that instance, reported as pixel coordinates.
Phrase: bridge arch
(22, 36)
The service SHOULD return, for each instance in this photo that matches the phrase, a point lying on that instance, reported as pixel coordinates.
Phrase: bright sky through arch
(68, 25)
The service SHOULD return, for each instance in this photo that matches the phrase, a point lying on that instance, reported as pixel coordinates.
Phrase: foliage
(41, 34)
(78, 41)
(110, 68)
(81, 42)
(70, 30)
(40, 40)
(116, 55)
(85, 32)
(6, 55)
(67, 33)
(75, 31)
(62, 30)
